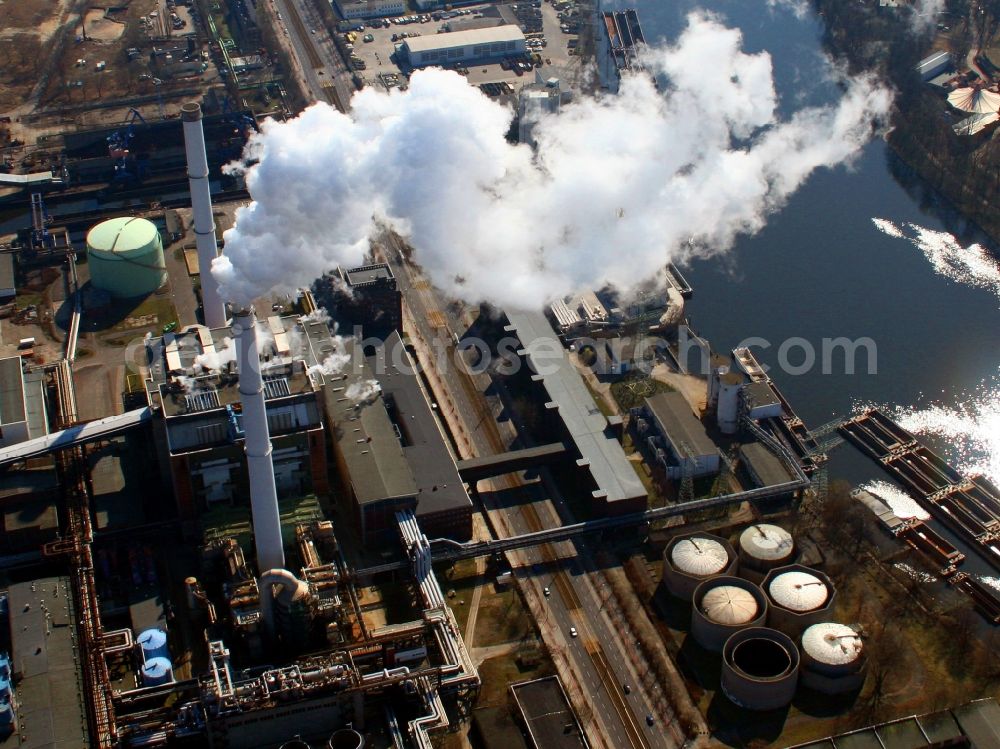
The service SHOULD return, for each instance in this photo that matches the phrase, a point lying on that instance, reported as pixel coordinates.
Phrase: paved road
(322, 68)
(598, 658)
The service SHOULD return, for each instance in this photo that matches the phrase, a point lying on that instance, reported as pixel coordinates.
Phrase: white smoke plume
(620, 185)
(220, 358)
(363, 391)
(924, 14)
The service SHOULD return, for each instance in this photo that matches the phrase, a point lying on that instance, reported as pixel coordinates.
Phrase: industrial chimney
(201, 204)
(257, 443)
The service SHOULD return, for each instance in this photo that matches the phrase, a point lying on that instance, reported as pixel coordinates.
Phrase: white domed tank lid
(766, 541)
(832, 643)
(699, 556)
(124, 235)
(798, 591)
(729, 604)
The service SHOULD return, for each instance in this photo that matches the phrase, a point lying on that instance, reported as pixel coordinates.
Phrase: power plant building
(202, 425)
(675, 432)
(22, 403)
(475, 45)
(389, 449)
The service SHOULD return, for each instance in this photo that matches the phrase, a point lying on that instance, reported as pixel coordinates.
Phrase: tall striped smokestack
(201, 204)
(257, 443)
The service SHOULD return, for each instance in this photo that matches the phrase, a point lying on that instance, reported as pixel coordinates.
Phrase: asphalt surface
(599, 658)
(325, 74)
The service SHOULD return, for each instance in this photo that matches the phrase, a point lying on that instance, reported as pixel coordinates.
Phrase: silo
(728, 410)
(346, 738)
(125, 256)
(760, 669)
(296, 743)
(833, 658)
(798, 597)
(764, 547)
(712, 393)
(154, 644)
(724, 605)
(156, 672)
(692, 558)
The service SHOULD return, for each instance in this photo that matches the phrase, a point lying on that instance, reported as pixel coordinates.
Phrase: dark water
(820, 269)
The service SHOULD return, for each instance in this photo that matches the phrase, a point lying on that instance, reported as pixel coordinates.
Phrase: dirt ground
(101, 28)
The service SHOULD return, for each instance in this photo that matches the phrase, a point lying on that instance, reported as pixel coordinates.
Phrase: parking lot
(555, 58)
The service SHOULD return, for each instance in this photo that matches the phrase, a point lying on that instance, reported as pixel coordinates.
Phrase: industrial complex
(359, 512)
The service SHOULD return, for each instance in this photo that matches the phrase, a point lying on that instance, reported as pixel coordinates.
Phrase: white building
(352, 9)
(477, 45)
(22, 403)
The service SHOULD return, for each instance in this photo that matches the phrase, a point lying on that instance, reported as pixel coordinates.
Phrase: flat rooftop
(546, 712)
(761, 393)
(12, 406)
(212, 392)
(365, 436)
(50, 707)
(674, 413)
(439, 487)
(368, 274)
(587, 426)
(768, 467)
(455, 39)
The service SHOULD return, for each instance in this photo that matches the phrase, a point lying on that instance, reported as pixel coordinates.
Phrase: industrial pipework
(292, 589)
(257, 444)
(201, 205)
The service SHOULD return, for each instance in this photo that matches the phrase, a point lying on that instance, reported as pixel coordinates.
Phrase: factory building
(548, 718)
(28, 502)
(201, 429)
(477, 45)
(23, 409)
(723, 606)
(352, 9)
(48, 704)
(604, 472)
(389, 449)
(368, 296)
(760, 669)
(676, 437)
(533, 103)
(762, 467)
(693, 558)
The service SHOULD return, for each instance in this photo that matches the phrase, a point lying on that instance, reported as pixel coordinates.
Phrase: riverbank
(963, 170)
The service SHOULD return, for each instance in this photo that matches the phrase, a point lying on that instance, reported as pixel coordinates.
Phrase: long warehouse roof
(584, 421)
(464, 38)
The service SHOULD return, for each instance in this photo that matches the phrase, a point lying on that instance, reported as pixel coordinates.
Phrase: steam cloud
(620, 184)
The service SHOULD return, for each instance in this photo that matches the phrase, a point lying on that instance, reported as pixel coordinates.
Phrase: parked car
(573, 632)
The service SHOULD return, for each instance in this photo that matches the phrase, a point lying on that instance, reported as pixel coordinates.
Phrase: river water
(822, 269)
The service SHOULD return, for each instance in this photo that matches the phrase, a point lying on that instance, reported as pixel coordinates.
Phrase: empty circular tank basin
(761, 658)
(346, 738)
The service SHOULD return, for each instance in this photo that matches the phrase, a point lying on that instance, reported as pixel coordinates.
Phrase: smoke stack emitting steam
(201, 205)
(619, 185)
(257, 444)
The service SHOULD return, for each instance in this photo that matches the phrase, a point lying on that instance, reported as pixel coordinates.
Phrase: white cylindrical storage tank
(833, 658)
(760, 669)
(798, 597)
(762, 548)
(728, 410)
(692, 558)
(125, 256)
(154, 644)
(712, 396)
(724, 605)
(156, 672)
(346, 738)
